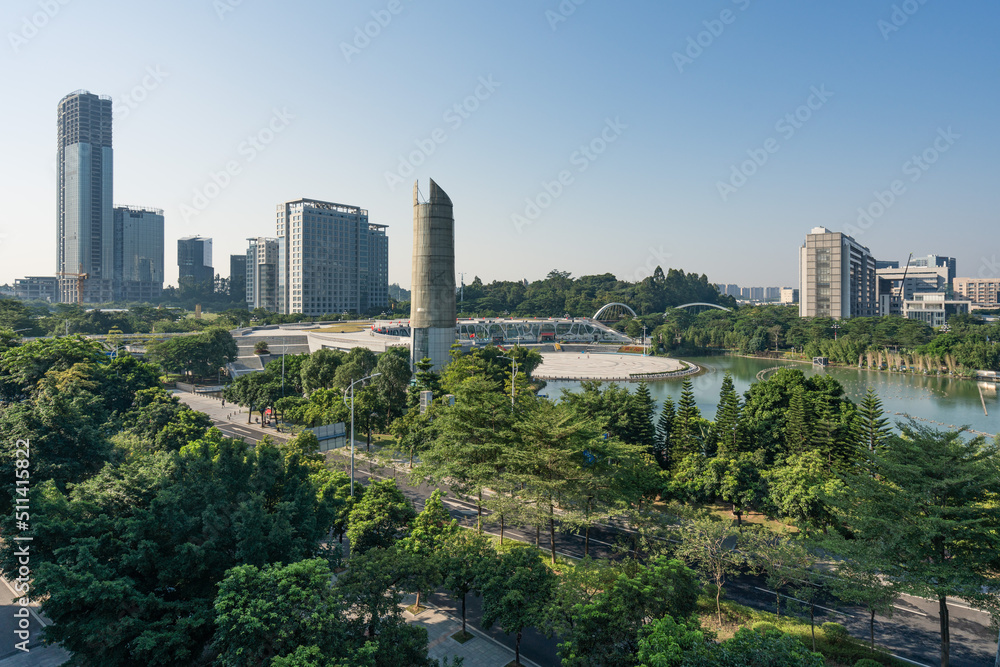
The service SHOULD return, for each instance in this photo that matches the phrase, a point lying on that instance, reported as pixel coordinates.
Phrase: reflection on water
(941, 402)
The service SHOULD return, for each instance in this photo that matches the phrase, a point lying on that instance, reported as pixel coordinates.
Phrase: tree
(860, 583)
(130, 559)
(473, 438)
(643, 431)
(269, 612)
(927, 519)
(710, 546)
(685, 436)
(430, 530)
(779, 557)
(198, 354)
(320, 369)
(798, 489)
(162, 423)
(728, 429)
(871, 427)
(516, 590)
(667, 643)
(607, 630)
(664, 426)
(380, 518)
(466, 555)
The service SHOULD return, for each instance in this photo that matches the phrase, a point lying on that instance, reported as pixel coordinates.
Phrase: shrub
(867, 662)
(835, 632)
(260, 347)
(764, 627)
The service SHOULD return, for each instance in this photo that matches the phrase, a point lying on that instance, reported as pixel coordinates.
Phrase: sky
(587, 136)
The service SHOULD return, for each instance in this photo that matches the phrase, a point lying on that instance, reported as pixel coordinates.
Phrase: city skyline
(705, 138)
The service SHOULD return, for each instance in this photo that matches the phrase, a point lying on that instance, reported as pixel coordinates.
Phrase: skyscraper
(138, 253)
(194, 259)
(85, 220)
(432, 308)
(836, 277)
(331, 259)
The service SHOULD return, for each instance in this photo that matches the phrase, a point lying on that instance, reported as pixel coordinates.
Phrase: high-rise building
(788, 295)
(331, 259)
(238, 277)
(982, 292)
(194, 260)
(262, 273)
(85, 221)
(836, 277)
(138, 253)
(432, 306)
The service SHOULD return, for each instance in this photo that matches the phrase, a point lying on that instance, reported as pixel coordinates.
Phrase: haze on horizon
(581, 135)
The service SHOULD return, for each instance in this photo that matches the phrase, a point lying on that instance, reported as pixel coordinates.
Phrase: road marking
(909, 611)
(912, 662)
(833, 611)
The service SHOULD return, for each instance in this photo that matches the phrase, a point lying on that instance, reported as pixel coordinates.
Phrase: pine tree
(798, 431)
(686, 435)
(641, 408)
(662, 449)
(871, 426)
(727, 420)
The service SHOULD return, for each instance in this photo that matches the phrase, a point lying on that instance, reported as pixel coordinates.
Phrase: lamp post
(513, 375)
(351, 388)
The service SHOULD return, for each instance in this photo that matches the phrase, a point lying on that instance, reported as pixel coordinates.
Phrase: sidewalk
(480, 651)
(228, 415)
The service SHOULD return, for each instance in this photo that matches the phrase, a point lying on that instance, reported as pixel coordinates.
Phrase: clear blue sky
(651, 197)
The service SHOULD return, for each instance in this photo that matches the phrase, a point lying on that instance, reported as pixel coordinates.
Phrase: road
(912, 633)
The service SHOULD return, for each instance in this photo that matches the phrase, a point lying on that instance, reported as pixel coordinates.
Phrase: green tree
(429, 532)
(381, 517)
(473, 437)
(199, 354)
(749, 648)
(516, 590)
(685, 436)
(871, 427)
(130, 559)
(466, 555)
(662, 452)
(779, 557)
(798, 489)
(711, 547)
(320, 369)
(667, 643)
(860, 583)
(269, 612)
(928, 518)
(607, 630)
(728, 431)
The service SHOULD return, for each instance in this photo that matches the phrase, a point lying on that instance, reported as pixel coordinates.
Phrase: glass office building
(138, 253)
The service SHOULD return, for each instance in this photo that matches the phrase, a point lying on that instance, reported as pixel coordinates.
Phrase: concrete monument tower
(432, 302)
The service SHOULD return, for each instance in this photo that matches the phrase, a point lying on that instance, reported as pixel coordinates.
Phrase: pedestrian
(223, 402)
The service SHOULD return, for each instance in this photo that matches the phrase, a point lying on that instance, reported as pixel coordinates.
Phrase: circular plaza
(569, 365)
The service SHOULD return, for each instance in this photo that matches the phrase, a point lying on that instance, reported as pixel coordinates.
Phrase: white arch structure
(612, 307)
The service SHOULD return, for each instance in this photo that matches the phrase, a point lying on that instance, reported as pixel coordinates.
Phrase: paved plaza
(480, 651)
(595, 366)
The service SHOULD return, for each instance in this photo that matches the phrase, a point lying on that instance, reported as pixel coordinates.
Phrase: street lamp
(512, 376)
(351, 388)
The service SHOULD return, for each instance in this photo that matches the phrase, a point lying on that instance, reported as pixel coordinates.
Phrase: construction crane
(902, 285)
(80, 277)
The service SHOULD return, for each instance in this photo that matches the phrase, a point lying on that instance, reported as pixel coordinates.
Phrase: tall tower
(432, 304)
(85, 232)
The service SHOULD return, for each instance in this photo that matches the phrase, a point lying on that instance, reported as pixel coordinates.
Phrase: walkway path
(480, 651)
